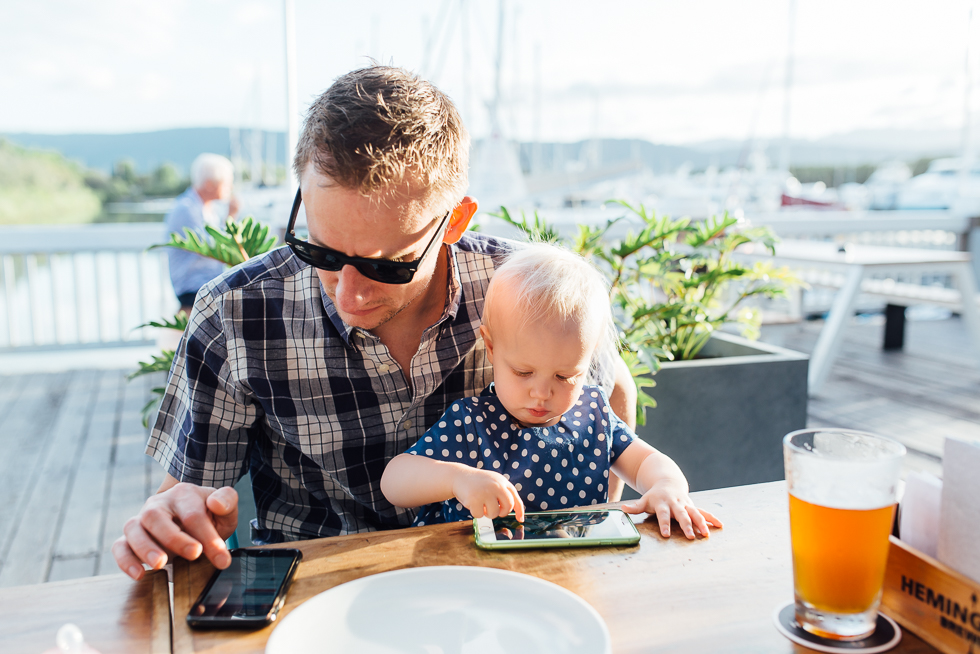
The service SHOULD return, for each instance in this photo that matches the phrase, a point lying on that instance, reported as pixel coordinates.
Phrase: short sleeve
(201, 434)
(451, 438)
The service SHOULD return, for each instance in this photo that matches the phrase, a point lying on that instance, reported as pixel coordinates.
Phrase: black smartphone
(247, 594)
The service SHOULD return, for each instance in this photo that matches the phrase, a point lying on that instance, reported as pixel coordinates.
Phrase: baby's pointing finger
(505, 501)
(518, 505)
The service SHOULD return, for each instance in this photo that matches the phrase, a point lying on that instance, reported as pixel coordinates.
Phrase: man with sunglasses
(312, 366)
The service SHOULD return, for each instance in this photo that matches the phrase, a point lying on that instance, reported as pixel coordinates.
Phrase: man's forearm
(623, 403)
(623, 398)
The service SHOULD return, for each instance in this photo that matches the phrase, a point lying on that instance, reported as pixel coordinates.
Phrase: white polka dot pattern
(583, 441)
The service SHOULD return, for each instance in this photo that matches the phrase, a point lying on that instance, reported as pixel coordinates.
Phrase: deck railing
(81, 286)
(93, 285)
(942, 230)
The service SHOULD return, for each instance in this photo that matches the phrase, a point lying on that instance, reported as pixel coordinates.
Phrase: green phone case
(630, 539)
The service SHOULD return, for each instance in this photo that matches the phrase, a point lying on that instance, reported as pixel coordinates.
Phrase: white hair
(548, 281)
(210, 167)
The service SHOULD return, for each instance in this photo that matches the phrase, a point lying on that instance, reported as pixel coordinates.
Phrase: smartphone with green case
(580, 528)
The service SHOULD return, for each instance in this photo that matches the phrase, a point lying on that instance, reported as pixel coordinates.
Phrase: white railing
(82, 286)
(942, 230)
(93, 285)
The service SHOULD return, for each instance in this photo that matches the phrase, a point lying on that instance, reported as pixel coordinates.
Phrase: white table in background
(861, 262)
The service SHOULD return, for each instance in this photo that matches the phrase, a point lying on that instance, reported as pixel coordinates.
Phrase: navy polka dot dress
(555, 467)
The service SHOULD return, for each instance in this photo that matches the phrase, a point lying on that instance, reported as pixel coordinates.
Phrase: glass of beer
(842, 494)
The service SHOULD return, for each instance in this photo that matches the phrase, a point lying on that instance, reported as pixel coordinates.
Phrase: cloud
(252, 13)
(41, 69)
(153, 86)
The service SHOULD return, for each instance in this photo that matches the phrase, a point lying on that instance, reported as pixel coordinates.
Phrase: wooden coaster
(886, 634)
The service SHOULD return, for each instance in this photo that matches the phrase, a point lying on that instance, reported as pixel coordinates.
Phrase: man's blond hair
(381, 127)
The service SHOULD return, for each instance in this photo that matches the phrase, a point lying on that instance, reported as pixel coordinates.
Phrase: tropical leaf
(150, 408)
(159, 363)
(539, 231)
(178, 322)
(239, 242)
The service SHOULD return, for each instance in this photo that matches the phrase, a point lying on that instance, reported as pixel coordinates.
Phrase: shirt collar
(453, 297)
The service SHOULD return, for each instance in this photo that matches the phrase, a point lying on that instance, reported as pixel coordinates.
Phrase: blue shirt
(268, 379)
(555, 467)
(189, 271)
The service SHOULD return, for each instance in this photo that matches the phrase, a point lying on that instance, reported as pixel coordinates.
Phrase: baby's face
(538, 369)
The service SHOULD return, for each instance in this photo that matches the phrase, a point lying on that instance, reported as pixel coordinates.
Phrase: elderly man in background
(211, 180)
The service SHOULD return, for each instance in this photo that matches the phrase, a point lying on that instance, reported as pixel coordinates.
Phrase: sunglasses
(380, 270)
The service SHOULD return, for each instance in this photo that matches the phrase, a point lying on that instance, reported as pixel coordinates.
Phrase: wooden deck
(73, 468)
(73, 472)
(920, 395)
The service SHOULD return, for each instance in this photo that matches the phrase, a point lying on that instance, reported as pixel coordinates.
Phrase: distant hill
(179, 146)
(43, 187)
(848, 149)
(147, 150)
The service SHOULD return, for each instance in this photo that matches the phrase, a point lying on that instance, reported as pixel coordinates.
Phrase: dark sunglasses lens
(316, 257)
(385, 274)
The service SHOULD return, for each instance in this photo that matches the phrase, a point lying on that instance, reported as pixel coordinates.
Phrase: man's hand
(667, 498)
(487, 493)
(183, 520)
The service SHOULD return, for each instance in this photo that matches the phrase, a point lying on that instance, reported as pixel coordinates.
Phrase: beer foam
(844, 484)
(852, 447)
(844, 470)
(835, 500)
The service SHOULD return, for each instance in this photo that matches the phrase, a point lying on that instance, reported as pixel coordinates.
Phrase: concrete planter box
(722, 417)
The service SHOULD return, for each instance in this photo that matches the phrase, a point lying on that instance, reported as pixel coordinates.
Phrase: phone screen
(574, 524)
(249, 587)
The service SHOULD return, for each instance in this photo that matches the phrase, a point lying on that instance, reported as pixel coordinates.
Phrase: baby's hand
(487, 493)
(667, 498)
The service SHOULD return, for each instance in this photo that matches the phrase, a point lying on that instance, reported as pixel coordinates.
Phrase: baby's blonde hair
(549, 282)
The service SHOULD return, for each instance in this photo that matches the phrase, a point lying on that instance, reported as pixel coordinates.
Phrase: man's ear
(460, 220)
(487, 341)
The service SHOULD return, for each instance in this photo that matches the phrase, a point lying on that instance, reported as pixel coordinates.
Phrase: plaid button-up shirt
(269, 379)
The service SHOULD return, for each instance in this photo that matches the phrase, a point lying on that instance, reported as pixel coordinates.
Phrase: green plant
(672, 283)
(239, 242)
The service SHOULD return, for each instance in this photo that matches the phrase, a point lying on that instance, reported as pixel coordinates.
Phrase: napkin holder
(932, 600)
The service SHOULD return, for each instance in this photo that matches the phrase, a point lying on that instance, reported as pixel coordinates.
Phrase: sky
(662, 70)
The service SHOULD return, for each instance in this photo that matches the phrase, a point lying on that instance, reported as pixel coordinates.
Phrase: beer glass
(842, 488)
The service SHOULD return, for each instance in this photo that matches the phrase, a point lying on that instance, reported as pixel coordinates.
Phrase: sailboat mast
(968, 145)
(495, 106)
(788, 87)
(292, 111)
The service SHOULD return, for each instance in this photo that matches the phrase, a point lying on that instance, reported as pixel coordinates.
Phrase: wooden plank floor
(73, 468)
(920, 395)
(74, 471)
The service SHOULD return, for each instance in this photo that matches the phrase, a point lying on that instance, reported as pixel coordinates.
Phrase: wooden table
(116, 614)
(714, 595)
(859, 263)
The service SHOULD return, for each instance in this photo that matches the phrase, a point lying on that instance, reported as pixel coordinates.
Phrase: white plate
(443, 610)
